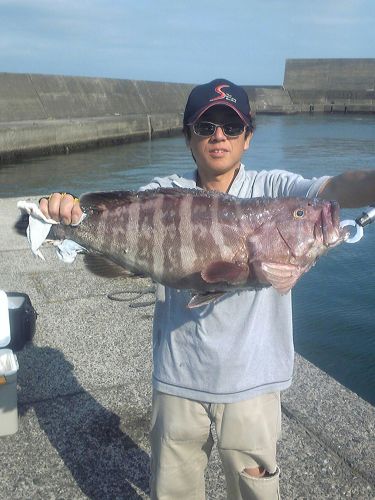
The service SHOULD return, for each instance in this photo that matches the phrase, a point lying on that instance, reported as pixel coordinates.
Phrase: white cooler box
(8, 374)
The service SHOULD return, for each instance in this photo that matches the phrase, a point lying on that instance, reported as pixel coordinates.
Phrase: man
(224, 363)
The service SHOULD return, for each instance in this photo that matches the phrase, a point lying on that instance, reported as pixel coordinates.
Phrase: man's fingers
(54, 203)
(50, 206)
(76, 212)
(61, 207)
(66, 208)
(43, 205)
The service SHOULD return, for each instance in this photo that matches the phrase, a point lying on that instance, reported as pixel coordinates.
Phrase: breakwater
(331, 85)
(44, 114)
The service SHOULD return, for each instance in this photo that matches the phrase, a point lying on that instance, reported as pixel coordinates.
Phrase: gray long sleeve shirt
(240, 346)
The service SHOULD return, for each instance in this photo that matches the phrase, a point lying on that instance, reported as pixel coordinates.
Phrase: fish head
(292, 233)
(309, 227)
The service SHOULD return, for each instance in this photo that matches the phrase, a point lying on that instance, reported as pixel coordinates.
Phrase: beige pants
(181, 443)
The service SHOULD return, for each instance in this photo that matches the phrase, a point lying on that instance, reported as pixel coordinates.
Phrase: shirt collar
(189, 180)
(238, 181)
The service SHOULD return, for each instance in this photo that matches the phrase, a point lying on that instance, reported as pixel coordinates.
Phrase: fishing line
(117, 296)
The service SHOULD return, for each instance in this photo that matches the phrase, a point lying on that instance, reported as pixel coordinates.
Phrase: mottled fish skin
(207, 241)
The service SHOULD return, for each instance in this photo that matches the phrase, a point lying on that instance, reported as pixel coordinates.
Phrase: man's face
(218, 154)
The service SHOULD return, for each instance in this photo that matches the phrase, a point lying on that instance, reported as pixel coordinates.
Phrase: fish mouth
(329, 225)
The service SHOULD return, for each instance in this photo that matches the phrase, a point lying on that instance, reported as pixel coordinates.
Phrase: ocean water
(333, 304)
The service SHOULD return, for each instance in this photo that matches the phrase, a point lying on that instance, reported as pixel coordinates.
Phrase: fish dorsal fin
(282, 277)
(103, 200)
(228, 272)
(100, 201)
(180, 191)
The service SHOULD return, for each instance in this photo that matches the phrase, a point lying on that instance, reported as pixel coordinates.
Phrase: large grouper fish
(205, 241)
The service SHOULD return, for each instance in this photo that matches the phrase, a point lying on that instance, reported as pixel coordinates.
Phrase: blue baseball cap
(218, 92)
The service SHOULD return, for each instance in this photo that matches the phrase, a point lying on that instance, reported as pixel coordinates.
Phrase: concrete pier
(84, 396)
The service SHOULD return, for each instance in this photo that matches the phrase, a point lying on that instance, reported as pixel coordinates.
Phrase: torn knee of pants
(259, 472)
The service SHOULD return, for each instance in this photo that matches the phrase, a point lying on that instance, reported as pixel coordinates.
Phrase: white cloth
(38, 229)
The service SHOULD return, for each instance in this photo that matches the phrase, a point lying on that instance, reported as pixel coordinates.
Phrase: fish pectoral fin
(202, 299)
(228, 272)
(282, 277)
(102, 266)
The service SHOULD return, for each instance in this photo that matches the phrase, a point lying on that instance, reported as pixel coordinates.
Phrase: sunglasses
(206, 129)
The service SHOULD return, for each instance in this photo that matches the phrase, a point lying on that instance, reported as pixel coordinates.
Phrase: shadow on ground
(103, 459)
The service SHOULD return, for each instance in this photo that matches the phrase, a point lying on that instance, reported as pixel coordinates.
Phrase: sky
(193, 41)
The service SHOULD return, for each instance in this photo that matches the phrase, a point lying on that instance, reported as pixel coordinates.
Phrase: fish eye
(299, 213)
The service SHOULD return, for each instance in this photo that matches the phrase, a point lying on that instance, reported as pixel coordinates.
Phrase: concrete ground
(84, 394)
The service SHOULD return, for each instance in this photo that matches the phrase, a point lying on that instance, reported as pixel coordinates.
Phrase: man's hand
(352, 189)
(61, 207)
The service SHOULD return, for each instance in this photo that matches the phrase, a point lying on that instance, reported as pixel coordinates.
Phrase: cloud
(177, 41)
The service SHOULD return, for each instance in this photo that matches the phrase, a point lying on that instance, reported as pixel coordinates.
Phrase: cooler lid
(4, 320)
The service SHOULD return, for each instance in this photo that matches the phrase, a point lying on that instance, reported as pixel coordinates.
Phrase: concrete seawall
(43, 114)
(331, 85)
